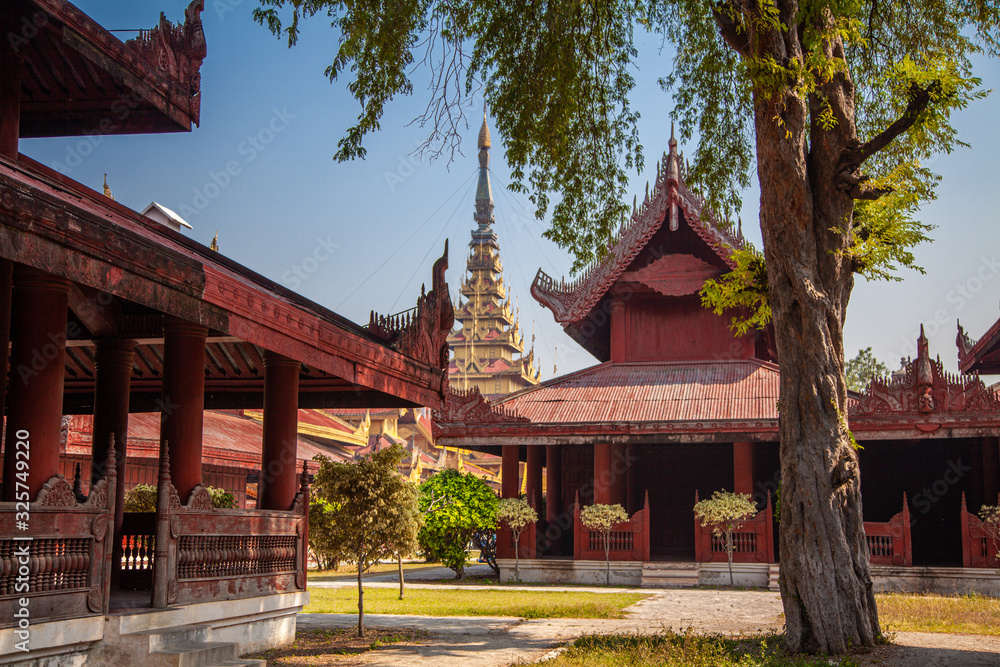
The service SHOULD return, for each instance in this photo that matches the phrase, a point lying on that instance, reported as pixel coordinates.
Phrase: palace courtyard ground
(499, 641)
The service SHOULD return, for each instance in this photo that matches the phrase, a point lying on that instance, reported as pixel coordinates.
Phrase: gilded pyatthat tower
(488, 349)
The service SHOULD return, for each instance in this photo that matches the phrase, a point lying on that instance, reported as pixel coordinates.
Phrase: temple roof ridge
(571, 300)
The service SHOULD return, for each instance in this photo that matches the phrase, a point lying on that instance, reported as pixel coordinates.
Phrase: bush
(142, 498)
(457, 508)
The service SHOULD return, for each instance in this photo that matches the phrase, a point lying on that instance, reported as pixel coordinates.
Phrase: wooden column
(38, 367)
(743, 467)
(183, 400)
(533, 472)
(113, 376)
(991, 469)
(10, 96)
(602, 473)
(633, 485)
(509, 469)
(553, 483)
(278, 474)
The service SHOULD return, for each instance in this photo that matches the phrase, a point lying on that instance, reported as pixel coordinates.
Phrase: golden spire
(484, 132)
(107, 190)
(215, 243)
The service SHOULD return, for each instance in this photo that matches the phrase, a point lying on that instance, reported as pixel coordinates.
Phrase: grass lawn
(328, 647)
(450, 602)
(966, 614)
(670, 649)
(350, 573)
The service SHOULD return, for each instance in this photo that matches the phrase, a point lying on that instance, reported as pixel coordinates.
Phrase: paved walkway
(502, 641)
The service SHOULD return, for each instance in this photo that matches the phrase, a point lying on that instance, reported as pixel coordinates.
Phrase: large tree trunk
(826, 585)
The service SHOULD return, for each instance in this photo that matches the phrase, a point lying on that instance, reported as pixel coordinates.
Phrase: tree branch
(733, 33)
(855, 155)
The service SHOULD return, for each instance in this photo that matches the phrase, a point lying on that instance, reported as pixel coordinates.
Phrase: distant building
(163, 215)
(488, 349)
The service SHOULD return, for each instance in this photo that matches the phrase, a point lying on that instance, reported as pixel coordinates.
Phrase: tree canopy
(835, 106)
(371, 512)
(863, 368)
(469, 508)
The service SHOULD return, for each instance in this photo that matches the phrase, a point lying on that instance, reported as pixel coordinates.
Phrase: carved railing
(203, 554)
(889, 541)
(753, 540)
(56, 552)
(629, 540)
(138, 545)
(980, 543)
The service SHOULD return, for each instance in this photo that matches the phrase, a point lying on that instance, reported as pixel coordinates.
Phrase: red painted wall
(662, 328)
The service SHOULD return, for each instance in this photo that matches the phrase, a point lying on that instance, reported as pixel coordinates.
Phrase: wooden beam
(10, 97)
(99, 311)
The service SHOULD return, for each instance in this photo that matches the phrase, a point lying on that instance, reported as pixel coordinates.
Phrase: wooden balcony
(753, 540)
(629, 540)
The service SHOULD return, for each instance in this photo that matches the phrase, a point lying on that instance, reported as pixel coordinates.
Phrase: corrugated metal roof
(677, 391)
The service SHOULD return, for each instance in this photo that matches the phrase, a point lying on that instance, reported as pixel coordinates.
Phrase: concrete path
(502, 641)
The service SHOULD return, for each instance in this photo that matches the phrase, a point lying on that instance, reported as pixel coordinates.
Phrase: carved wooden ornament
(675, 275)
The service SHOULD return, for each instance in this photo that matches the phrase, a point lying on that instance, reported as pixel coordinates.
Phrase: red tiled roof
(497, 365)
(644, 392)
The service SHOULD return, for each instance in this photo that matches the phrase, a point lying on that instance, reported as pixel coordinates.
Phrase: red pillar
(10, 97)
(533, 471)
(113, 365)
(278, 473)
(602, 473)
(183, 400)
(633, 485)
(743, 467)
(38, 367)
(553, 483)
(618, 489)
(509, 468)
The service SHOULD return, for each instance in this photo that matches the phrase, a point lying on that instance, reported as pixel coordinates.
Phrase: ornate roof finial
(107, 190)
(673, 140)
(484, 134)
(215, 242)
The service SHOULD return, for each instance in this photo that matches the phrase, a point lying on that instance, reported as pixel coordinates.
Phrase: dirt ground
(503, 641)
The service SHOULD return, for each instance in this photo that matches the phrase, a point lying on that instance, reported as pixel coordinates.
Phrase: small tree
(324, 538)
(862, 369)
(466, 506)
(603, 518)
(517, 514)
(723, 513)
(372, 511)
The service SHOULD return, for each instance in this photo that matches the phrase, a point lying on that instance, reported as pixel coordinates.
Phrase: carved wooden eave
(471, 407)
(980, 356)
(52, 223)
(669, 202)
(422, 332)
(102, 85)
(925, 398)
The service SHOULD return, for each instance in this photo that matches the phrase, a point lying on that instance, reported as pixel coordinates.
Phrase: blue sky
(260, 171)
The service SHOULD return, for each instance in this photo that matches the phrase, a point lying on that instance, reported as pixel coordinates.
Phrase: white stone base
(255, 624)
(940, 580)
(745, 575)
(588, 572)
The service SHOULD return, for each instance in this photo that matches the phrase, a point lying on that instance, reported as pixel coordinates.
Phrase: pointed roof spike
(673, 140)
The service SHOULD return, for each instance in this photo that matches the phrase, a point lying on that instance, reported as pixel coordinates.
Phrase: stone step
(241, 662)
(772, 578)
(198, 654)
(162, 640)
(669, 575)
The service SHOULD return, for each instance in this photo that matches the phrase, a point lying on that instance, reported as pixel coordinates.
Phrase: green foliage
(221, 498)
(862, 369)
(602, 518)
(468, 507)
(142, 498)
(723, 513)
(369, 511)
(743, 290)
(324, 538)
(517, 514)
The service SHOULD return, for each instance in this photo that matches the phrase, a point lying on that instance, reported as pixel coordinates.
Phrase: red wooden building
(678, 405)
(105, 312)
